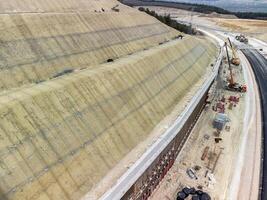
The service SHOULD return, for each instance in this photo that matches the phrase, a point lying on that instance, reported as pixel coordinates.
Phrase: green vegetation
(206, 9)
(251, 15)
(166, 19)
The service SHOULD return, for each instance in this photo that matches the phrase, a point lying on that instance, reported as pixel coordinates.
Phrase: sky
(234, 5)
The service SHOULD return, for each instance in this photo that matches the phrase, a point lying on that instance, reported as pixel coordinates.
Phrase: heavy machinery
(231, 84)
(241, 38)
(235, 60)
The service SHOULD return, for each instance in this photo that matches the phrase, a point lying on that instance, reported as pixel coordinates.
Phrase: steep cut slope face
(67, 117)
(15, 6)
(38, 47)
(59, 138)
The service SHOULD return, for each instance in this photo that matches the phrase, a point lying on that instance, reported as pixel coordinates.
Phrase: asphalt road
(259, 65)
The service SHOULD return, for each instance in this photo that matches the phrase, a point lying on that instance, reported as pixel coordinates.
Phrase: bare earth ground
(215, 172)
(255, 28)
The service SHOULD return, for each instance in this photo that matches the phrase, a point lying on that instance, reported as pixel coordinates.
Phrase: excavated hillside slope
(62, 132)
(39, 46)
(16, 6)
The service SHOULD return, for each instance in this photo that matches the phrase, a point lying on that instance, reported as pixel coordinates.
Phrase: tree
(141, 9)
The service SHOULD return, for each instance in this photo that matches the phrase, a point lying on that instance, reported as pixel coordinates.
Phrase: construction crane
(232, 85)
(235, 60)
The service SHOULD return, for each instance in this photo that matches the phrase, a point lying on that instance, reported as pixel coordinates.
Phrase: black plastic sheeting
(196, 194)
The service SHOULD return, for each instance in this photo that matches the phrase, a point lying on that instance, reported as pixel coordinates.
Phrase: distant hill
(233, 5)
(206, 9)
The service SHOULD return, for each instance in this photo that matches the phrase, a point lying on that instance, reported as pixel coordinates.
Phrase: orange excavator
(235, 60)
(232, 85)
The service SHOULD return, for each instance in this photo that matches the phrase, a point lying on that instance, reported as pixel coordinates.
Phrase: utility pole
(191, 21)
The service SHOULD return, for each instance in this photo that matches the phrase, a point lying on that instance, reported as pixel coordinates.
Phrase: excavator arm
(232, 48)
(231, 81)
(232, 85)
(235, 60)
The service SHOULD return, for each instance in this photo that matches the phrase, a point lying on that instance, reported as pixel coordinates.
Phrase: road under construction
(259, 65)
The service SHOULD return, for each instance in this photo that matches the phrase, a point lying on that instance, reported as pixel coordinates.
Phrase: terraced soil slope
(15, 6)
(67, 117)
(39, 46)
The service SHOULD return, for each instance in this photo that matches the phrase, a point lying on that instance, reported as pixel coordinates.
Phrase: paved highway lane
(259, 65)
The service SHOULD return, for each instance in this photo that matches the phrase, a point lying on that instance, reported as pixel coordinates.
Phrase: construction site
(102, 101)
(207, 161)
